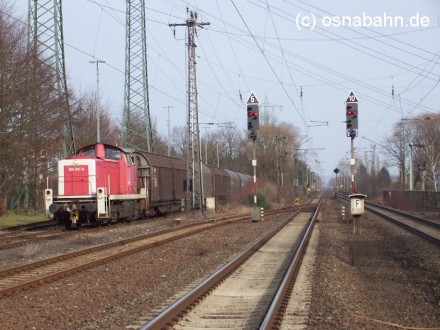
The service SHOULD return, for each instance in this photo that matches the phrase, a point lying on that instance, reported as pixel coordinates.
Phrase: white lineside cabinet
(357, 204)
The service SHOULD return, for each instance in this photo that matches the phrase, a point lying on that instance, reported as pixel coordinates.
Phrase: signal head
(253, 117)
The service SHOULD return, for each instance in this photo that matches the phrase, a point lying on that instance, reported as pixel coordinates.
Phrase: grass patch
(20, 218)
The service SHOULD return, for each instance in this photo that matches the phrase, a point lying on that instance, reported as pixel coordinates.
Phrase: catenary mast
(194, 185)
(45, 36)
(136, 99)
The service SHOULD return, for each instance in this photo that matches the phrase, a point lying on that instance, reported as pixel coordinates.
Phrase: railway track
(6, 231)
(250, 291)
(47, 230)
(426, 228)
(14, 239)
(50, 269)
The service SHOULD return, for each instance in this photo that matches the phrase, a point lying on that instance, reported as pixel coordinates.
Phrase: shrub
(262, 201)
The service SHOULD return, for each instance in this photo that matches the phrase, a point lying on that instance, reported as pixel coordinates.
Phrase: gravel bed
(383, 278)
(84, 238)
(117, 294)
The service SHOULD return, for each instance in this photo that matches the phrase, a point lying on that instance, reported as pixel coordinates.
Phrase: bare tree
(178, 142)
(12, 56)
(30, 117)
(427, 156)
(419, 136)
(85, 122)
(397, 147)
(224, 147)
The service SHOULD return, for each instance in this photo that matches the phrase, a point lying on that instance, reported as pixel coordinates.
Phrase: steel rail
(63, 265)
(370, 207)
(279, 304)
(431, 238)
(179, 309)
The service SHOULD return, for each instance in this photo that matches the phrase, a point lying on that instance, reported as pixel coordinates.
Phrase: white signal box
(357, 204)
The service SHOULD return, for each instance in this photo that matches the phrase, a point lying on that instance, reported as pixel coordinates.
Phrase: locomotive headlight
(100, 191)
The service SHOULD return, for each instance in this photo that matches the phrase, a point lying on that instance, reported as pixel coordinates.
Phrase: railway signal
(352, 119)
(253, 124)
(253, 116)
(352, 113)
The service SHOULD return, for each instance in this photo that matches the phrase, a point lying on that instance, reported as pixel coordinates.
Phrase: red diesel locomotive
(104, 183)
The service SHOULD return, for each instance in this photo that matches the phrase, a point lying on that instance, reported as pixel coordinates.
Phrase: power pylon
(136, 99)
(45, 35)
(194, 154)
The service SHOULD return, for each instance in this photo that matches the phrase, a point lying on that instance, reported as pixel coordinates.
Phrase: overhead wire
(356, 80)
(232, 48)
(285, 60)
(283, 12)
(361, 48)
(172, 63)
(418, 102)
(328, 70)
(377, 33)
(260, 50)
(271, 56)
(270, 65)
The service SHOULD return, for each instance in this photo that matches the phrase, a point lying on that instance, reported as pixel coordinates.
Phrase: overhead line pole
(169, 127)
(98, 110)
(194, 184)
(136, 95)
(45, 36)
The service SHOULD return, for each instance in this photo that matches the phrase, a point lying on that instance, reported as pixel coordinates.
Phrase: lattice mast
(45, 35)
(194, 152)
(136, 99)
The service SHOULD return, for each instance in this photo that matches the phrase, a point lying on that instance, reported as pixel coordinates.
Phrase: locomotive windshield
(88, 152)
(111, 153)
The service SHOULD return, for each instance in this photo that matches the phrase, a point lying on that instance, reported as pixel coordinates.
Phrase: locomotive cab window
(111, 153)
(130, 160)
(88, 153)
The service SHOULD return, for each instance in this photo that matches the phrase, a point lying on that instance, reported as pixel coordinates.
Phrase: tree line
(412, 146)
(33, 115)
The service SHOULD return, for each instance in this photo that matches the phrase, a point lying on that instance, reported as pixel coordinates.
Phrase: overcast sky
(275, 49)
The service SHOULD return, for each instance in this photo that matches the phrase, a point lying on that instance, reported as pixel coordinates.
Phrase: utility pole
(169, 127)
(336, 170)
(279, 155)
(194, 154)
(206, 140)
(98, 107)
(374, 172)
(411, 180)
(225, 124)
